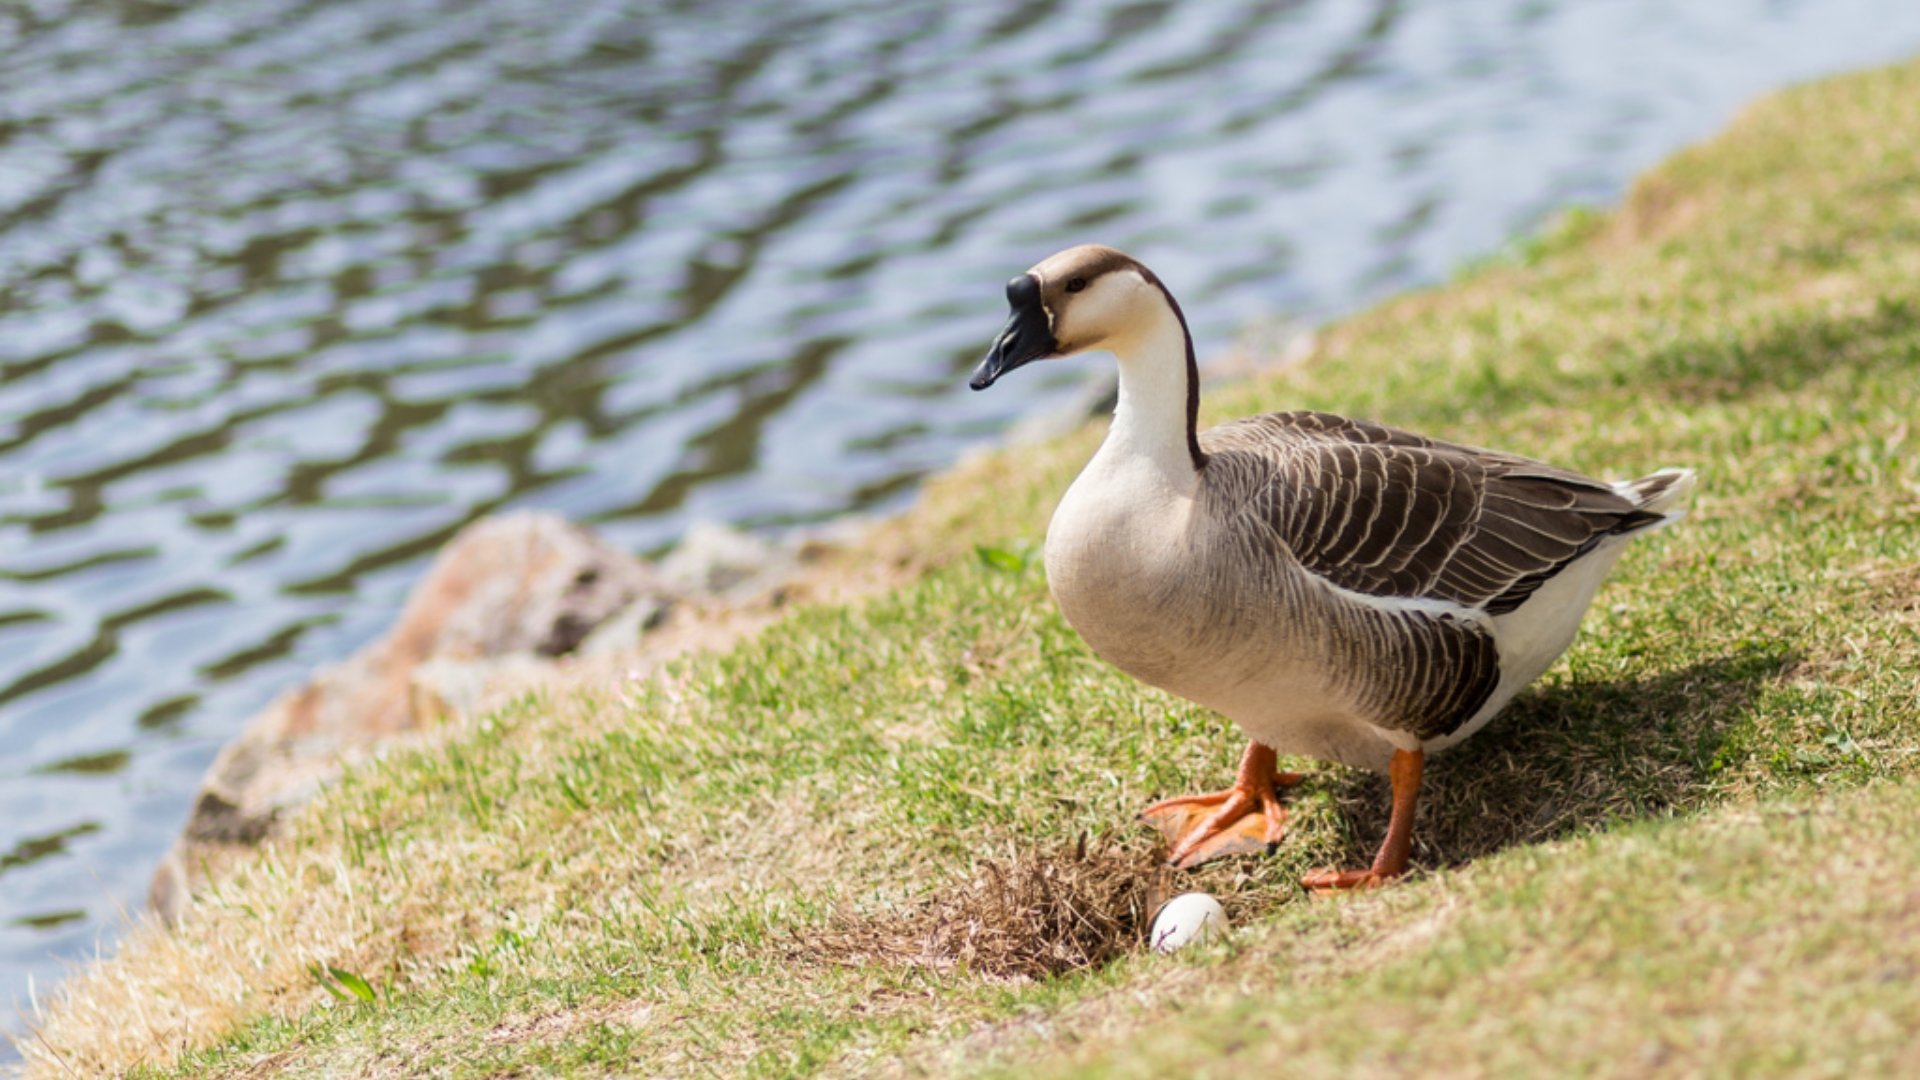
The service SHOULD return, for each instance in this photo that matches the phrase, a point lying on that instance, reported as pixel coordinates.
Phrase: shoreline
(513, 603)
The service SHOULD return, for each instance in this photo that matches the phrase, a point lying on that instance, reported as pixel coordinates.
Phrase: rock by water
(512, 589)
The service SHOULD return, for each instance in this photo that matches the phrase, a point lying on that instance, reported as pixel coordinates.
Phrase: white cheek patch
(1104, 305)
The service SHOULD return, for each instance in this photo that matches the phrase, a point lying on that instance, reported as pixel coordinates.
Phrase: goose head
(1084, 298)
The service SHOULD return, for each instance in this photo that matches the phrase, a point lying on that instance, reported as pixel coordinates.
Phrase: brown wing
(1391, 514)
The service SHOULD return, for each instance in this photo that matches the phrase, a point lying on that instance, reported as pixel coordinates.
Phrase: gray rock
(720, 561)
(522, 585)
(623, 631)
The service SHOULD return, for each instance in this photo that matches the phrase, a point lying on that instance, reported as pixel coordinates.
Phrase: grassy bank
(1691, 848)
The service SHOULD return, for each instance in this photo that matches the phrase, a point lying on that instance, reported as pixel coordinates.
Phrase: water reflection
(292, 289)
(35, 848)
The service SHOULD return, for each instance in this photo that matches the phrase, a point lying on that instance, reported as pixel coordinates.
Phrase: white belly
(1299, 718)
(1138, 625)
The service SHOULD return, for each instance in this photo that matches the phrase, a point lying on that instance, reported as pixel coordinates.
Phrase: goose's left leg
(1242, 820)
(1391, 862)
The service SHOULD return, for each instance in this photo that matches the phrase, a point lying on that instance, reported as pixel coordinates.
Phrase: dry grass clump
(1028, 916)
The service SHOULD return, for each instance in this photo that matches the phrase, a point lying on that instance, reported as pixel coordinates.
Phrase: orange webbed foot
(1404, 771)
(1245, 819)
(1329, 881)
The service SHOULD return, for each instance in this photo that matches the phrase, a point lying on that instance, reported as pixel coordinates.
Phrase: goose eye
(1076, 284)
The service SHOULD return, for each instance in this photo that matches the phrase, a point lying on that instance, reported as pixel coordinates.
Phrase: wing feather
(1391, 514)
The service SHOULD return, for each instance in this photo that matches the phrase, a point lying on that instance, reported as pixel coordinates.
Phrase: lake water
(292, 289)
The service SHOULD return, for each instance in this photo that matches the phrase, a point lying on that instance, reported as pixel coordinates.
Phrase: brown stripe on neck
(1193, 372)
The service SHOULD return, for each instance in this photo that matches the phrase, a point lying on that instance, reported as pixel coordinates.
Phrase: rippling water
(291, 290)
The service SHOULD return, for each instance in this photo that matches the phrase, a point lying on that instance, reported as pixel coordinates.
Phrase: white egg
(1193, 916)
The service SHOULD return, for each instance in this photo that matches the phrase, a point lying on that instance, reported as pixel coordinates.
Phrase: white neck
(1150, 423)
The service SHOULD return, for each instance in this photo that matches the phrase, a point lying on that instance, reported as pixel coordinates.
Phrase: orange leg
(1244, 819)
(1392, 860)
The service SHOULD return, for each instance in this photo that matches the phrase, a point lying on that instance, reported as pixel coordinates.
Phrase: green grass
(1689, 849)
(1783, 940)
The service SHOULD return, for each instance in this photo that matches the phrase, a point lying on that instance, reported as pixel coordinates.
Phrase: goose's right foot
(1245, 819)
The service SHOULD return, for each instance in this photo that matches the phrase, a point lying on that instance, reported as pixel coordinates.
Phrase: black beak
(1026, 338)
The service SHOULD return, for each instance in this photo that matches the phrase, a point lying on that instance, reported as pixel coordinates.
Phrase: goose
(1340, 589)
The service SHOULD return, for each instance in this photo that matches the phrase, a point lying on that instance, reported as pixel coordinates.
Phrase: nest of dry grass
(1025, 917)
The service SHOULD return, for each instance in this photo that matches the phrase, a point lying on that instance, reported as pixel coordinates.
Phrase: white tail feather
(1669, 500)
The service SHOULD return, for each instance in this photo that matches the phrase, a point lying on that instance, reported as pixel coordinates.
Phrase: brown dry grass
(396, 921)
(1027, 916)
